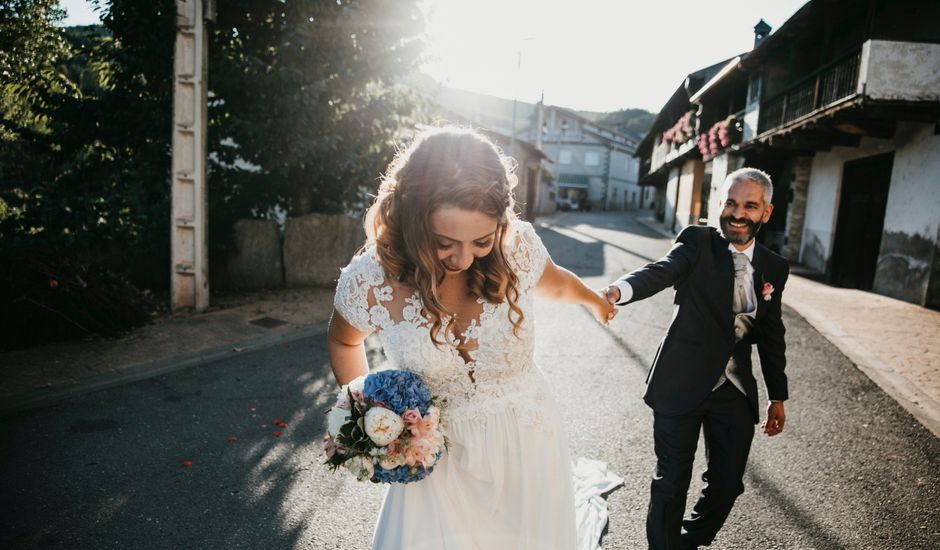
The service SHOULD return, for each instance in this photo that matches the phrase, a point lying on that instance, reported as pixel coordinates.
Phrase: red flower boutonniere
(767, 291)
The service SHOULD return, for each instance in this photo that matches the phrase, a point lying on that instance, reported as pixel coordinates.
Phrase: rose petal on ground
(232, 439)
(187, 463)
(277, 433)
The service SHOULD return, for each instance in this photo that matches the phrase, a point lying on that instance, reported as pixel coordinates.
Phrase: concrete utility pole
(189, 248)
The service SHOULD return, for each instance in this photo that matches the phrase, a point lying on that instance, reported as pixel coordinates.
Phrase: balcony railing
(836, 81)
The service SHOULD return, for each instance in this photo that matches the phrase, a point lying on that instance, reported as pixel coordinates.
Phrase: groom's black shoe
(686, 542)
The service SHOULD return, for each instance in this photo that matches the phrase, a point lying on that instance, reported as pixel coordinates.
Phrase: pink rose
(411, 416)
(359, 397)
(331, 447)
(767, 291)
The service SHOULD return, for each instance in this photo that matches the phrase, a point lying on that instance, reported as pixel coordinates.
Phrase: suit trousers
(728, 424)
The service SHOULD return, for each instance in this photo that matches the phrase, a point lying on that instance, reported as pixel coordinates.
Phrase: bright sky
(597, 55)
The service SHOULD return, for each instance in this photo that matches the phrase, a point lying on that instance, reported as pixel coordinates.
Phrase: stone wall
(317, 246)
(255, 261)
(796, 211)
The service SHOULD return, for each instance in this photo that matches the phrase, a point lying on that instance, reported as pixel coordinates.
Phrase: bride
(447, 280)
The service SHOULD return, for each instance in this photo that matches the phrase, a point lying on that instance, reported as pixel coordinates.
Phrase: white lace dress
(505, 481)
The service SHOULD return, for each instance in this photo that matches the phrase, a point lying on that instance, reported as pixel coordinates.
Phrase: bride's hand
(602, 310)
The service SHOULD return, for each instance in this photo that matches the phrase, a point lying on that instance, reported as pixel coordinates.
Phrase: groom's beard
(742, 238)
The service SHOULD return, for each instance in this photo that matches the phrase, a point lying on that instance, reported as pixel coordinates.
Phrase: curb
(653, 224)
(921, 406)
(134, 373)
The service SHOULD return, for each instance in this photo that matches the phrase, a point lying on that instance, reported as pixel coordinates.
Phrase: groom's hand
(612, 294)
(776, 417)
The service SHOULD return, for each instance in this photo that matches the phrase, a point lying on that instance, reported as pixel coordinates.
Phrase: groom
(727, 298)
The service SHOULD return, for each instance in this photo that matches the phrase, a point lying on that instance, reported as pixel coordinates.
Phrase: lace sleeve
(352, 299)
(528, 255)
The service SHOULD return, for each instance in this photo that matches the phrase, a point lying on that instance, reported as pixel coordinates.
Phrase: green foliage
(308, 93)
(30, 47)
(304, 109)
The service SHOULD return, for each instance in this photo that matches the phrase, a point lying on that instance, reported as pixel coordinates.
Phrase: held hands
(612, 294)
(602, 309)
(775, 419)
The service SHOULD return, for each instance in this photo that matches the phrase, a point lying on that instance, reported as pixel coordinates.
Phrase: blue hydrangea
(402, 474)
(399, 390)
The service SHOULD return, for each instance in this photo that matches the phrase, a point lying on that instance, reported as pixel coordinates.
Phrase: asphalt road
(105, 470)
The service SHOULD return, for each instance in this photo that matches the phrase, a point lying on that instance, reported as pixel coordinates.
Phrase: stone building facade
(840, 106)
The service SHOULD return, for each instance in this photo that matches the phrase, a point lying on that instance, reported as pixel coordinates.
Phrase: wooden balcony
(832, 84)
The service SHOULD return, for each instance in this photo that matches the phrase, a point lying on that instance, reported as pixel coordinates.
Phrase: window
(564, 156)
(753, 92)
(592, 158)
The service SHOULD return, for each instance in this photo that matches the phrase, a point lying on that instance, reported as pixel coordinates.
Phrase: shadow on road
(618, 247)
(584, 257)
(107, 468)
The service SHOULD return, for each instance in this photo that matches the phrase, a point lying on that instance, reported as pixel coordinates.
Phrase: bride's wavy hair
(444, 167)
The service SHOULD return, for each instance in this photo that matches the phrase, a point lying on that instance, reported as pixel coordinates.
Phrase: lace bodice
(501, 372)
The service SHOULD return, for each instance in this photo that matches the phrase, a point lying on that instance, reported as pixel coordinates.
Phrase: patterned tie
(739, 303)
(742, 318)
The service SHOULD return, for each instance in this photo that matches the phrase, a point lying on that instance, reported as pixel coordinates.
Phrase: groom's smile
(744, 210)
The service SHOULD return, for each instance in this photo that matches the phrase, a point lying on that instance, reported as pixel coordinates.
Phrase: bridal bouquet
(385, 427)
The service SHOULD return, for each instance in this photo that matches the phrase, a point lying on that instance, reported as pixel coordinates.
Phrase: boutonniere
(767, 291)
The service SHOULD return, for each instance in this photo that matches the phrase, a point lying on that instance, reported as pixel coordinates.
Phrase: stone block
(256, 259)
(317, 246)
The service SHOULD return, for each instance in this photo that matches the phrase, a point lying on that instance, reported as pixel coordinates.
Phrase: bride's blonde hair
(444, 167)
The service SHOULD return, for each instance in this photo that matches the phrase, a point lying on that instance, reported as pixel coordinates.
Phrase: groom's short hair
(750, 174)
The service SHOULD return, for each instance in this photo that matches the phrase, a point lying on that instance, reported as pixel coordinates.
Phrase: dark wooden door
(865, 184)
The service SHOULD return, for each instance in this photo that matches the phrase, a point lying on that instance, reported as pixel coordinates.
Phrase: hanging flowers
(719, 137)
(682, 131)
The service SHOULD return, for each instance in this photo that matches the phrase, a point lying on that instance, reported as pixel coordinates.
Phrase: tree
(309, 94)
(634, 120)
(305, 106)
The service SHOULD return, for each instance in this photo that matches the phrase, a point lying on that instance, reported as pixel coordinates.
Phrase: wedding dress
(506, 480)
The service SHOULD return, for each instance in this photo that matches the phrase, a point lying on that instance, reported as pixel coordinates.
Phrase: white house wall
(672, 189)
(900, 70)
(624, 191)
(722, 165)
(822, 199)
(909, 244)
(912, 217)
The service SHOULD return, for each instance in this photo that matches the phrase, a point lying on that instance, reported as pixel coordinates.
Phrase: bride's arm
(346, 349)
(559, 284)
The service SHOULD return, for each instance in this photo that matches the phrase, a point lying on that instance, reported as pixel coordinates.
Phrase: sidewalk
(234, 323)
(895, 343)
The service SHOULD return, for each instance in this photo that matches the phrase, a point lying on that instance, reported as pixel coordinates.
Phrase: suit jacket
(700, 340)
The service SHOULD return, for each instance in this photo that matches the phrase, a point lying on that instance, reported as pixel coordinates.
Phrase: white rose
(391, 462)
(383, 426)
(361, 467)
(335, 420)
(356, 384)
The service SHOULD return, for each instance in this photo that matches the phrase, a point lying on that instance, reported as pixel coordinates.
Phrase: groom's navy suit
(692, 357)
